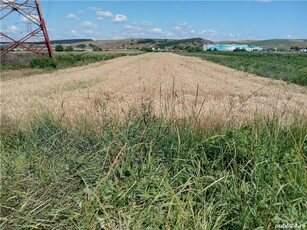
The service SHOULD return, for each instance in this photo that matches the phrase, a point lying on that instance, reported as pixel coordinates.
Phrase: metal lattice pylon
(35, 38)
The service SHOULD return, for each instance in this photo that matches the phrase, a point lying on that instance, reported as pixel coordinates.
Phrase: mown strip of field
(291, 67)
(151, 173)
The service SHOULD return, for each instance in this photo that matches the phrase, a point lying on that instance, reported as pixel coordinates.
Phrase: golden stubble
(176, 86)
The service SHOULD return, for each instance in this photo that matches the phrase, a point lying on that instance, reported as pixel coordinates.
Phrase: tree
(146, 49)
(95, 49)
(59, 48)
(239, 50)
(69, 48)
(81, 46)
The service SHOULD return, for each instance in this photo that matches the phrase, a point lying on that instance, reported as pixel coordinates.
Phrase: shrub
(59, 48)
(146, 49)
(301, 78)
(81, 46)
(69, 49)
(42, 63)
(239, 50)
(95, 49)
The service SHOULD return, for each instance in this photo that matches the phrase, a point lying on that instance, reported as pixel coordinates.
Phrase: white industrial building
(231, 47)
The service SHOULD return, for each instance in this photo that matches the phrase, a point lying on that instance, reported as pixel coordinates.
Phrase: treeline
(70, 41)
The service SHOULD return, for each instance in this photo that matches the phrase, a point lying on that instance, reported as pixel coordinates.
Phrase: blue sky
(213, 20)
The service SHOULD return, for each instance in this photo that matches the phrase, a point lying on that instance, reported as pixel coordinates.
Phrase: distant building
(231, 47)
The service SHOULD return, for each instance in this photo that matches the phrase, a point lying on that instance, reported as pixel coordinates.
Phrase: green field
(152, 173)
(291, 67)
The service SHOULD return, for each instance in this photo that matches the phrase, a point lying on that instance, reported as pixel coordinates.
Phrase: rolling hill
(139, 43)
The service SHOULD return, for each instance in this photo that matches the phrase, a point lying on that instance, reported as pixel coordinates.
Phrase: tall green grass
(151, 173)
(289, 67)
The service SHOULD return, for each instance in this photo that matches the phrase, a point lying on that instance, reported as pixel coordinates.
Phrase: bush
(59, 48)
(301, 78)
(81, 46)
(42, 63)
(146, 49)
(239, 50)
(69, 49)
(95, 49)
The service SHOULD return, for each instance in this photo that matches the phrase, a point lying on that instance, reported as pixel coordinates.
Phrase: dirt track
(175, 84)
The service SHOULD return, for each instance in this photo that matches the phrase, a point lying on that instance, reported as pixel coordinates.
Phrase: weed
(42, 63)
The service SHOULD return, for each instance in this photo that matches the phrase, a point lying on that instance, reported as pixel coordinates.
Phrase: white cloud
(132, 28)
(119, 18)
(89, 24)
(178, 28)
(94, 8)
(74, 32)
(90, 32)
(7, 1)
(104, 14)
(183, 30)
(290, 36)
(263, 0)
(11, 29)
(30, 17)
(133, 34)
(209, 33)
(72, 17)
(144, 23)
(157, 31)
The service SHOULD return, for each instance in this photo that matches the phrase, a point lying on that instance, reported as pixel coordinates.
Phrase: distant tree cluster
(239, 50)
(81, 46)
(146, 49)
(60, 48)
(94, 47)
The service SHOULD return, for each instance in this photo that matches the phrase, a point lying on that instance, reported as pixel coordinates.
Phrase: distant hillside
(140, 43)
(273, 43)
(70, 41)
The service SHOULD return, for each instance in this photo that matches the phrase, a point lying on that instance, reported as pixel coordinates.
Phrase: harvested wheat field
(175, 86)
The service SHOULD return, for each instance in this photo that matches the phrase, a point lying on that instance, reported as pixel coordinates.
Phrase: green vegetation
(65, 60)
(289, 67)
(81, 46)
(146, 49)
(42, 63)
(301, 77)
(69, 49)
(190, 45)
(70, 41)
(59, 48)
(150, 173)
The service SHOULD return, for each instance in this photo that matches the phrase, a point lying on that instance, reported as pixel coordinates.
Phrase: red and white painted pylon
(35, 38)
